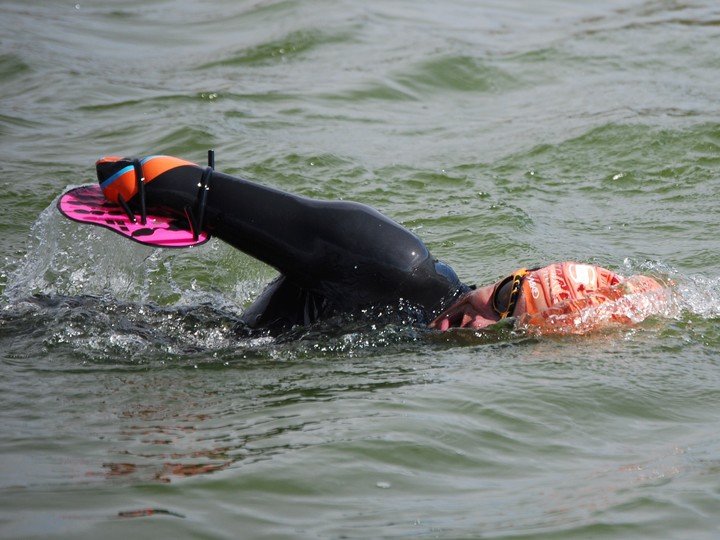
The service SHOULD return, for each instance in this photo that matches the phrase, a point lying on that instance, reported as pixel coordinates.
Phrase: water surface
(505, 134)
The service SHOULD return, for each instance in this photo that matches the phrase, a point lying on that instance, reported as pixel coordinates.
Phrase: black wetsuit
(334, 257)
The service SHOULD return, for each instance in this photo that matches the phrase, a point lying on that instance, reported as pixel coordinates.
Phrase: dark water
(503, 133)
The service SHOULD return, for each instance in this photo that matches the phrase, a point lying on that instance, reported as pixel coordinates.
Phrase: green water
(505, 134)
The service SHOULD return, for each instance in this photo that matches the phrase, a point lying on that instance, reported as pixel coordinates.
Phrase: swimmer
(559, 298)
(338, 258)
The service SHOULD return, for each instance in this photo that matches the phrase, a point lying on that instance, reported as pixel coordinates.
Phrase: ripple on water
(500, 132)
(286, 49)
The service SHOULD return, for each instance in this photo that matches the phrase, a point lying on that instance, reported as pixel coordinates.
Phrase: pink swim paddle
(87, 204)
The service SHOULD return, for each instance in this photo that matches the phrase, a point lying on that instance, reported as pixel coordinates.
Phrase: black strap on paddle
(126, 208)
(196, 224)
(140, 179)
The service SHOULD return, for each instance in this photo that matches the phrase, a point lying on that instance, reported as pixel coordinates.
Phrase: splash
(620, 311)
(692, 294)
(89, 293)
(699, 295)
(103, 300)
(61, 261)
(681, 296)
(64, 259)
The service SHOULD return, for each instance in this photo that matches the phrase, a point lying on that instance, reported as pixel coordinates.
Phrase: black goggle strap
(196, 223)
(140, 179)
(516, 278)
